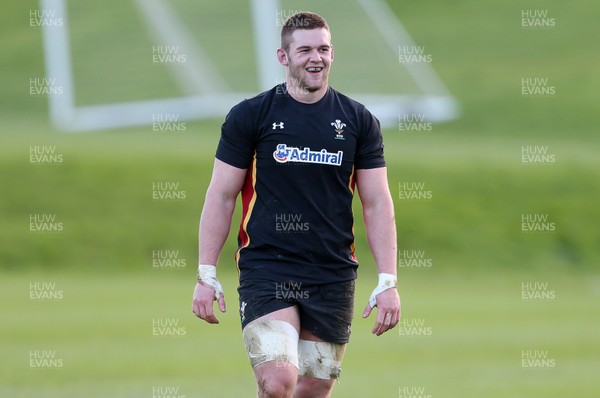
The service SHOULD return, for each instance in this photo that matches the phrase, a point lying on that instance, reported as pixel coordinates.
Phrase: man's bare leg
(275, 378)
(313, 387)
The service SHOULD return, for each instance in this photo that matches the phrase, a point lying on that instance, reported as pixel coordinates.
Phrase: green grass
(102, 193)
(102, 331)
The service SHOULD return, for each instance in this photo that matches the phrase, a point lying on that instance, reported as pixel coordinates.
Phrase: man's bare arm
(215, 222)
(380, 224)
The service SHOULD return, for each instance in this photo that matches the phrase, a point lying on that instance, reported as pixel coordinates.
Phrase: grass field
(103, 194)
(102, 329)
(475, 325)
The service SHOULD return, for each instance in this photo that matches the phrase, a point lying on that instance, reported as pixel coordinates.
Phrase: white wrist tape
(386, 281)
(208, 274)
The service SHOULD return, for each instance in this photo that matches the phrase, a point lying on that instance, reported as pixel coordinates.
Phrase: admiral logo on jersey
(284, 154)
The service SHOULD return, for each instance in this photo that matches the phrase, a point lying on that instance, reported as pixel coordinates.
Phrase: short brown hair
(300, 20)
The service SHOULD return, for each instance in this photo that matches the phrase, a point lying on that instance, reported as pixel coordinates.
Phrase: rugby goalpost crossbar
(206, 92)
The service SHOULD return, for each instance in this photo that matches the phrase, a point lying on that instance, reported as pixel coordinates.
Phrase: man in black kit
(296, 153)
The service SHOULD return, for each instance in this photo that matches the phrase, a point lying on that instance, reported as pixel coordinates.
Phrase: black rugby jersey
(297, 221)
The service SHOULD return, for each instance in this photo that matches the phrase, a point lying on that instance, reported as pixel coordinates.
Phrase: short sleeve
(369, 154)
(238, 137)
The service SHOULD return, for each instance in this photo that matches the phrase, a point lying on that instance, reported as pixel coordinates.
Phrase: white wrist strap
(208, 274)
(386, 281)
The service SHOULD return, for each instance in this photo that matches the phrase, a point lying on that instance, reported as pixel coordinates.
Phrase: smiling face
(308, 61)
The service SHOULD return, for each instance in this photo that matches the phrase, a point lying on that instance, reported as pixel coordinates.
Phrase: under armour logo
(243, 310)
(278, 125)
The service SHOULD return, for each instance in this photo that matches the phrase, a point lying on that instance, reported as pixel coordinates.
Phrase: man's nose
(315, 56)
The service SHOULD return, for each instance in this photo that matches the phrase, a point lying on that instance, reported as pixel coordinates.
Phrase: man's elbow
(218, 197)
(379, 206)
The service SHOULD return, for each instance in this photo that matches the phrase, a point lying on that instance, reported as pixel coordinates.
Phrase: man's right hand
(202, 304)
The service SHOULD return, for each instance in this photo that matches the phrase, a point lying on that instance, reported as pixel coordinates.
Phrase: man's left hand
(388, 311)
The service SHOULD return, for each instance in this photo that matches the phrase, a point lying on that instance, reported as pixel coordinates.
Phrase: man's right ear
(282, 57)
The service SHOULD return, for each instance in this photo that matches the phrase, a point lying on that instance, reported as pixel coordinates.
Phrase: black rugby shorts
(326, 310)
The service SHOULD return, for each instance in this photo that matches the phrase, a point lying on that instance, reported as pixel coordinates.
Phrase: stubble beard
(297, 75)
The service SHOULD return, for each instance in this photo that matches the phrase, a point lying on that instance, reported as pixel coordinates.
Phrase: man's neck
(304, 96)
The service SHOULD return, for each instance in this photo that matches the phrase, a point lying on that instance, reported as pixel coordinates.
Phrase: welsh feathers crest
(338, 125)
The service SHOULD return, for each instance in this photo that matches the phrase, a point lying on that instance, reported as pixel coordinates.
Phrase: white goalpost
(207, 94)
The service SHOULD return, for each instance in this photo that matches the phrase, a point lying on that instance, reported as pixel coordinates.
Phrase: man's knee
(311, 387)
(272, 347)
(276, 379)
